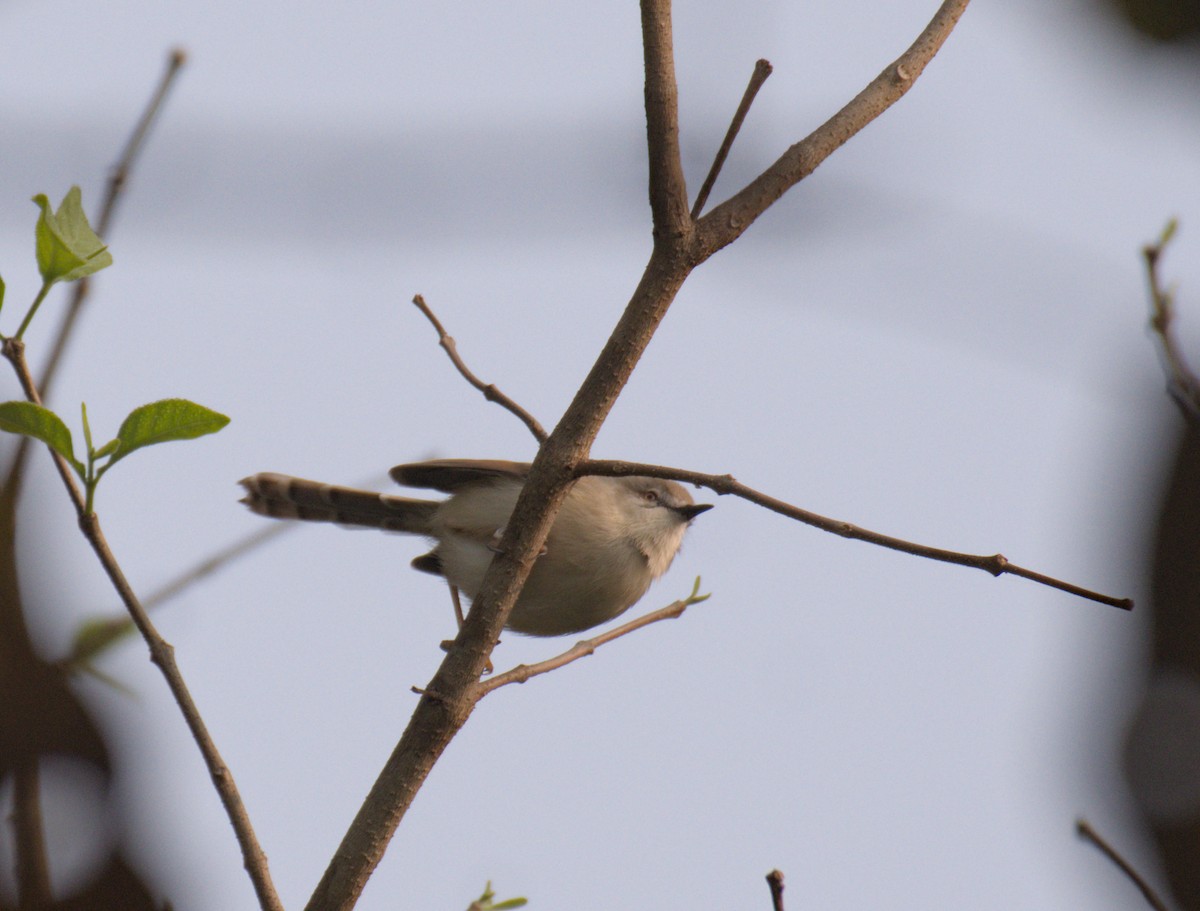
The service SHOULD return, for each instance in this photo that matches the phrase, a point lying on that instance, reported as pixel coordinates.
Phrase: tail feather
(283, 497)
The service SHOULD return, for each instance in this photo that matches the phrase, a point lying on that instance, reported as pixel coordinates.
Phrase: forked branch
(995, 564)
(726, 222)
(678, 248)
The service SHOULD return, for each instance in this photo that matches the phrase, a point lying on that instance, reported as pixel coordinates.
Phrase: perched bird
(610, 540)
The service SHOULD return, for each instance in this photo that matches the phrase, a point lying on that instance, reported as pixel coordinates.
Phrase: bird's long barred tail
(283, 497)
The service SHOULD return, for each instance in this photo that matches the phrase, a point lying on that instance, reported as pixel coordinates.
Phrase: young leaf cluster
(487, 901)
(68, 250)
(157, 422)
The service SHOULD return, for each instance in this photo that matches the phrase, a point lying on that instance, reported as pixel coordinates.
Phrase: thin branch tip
(993, 564)
(727, 221)
(775, 884)
(489, 391)
(762, 69)
(1183, 384)
(585, 648)
(1086, 831)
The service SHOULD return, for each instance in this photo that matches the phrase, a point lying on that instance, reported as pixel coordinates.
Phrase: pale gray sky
(940, 335)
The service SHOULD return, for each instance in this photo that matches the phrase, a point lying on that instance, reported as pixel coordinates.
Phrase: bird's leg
(458, 611)
(458, 615)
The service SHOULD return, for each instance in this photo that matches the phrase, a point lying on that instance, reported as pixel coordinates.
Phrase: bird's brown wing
(447, 475)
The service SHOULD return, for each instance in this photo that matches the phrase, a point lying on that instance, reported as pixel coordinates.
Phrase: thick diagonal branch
(450, 697)
(668, 189)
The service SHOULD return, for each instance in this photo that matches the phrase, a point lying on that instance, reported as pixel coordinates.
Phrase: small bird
(610, 540)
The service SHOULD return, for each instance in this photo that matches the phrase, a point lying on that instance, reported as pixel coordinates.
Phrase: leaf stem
(37, 302)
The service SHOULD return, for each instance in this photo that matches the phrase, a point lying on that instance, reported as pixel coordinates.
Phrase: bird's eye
(650, 496)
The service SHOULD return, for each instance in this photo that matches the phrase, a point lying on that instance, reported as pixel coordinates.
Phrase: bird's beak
(690, 512)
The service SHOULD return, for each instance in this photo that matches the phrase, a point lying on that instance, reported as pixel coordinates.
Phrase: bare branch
(668, 189)
(726, 222)
(117, 179)
(163, 655)
(1182, 383)
(1085, 830)
(26, 805)
(490, 392)
(775, 883)
(448, 700)
(995, 564)
(762, 69)
(586, 647)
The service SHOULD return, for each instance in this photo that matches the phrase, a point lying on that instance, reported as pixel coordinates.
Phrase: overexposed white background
(939, 335)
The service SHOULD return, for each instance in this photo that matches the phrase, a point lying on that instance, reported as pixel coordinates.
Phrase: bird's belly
(560, 596)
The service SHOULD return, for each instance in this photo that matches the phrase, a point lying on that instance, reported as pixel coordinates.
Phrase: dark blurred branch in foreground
(1085, 830)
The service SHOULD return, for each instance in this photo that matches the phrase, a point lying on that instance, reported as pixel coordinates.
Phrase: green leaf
(97, 634)
(87, 432)
(161, 422)
(1, 293)
(41, 424)
(107, 449)
(485, 903)
(67, 247)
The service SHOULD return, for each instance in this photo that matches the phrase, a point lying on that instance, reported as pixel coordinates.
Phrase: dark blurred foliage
(1162, 20)
(41, 717)
(1162, 750)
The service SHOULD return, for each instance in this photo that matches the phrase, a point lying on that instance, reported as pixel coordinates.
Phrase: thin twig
(995, 564)
(117, 179)
(25, 800)
(775, 882)
(490, 392)
(1085, 830)
(163, 655)
(104, 632)
(762, 69)
(586, 647)
(727, 221)
(1181, 381)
